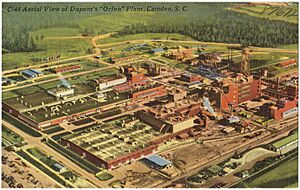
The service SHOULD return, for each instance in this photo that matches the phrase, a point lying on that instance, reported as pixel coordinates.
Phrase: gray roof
(158, 160)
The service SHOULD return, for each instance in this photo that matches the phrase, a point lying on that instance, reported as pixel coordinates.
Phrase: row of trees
(230, 28)
(18, 41)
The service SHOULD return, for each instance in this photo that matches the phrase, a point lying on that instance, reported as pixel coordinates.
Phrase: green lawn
(12, 137)
(284, 175)
(69, 175)
(87, 65)
(36, 153)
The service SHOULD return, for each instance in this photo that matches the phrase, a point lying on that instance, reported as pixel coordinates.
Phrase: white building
(61, 91)
(105, 83)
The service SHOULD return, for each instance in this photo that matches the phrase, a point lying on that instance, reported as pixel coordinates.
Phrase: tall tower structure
(245, 64)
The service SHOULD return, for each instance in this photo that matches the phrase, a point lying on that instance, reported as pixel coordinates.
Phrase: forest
(211, 22)
(230, 28)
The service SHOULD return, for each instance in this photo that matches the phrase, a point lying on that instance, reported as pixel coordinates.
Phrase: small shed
(215, 169)
(157, 161)
(58, 167)
(233, 119)
(244, 174)
(158, 50)
(37, 71)
(28, 73)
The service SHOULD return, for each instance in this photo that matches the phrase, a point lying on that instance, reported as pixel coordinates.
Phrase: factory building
(176, 94)
(148, 91)
(234, 92)
(286, 144)
(134, 80)
(283, 108)
(208, 59)
(45, 124)
(292, 91)
(111, 145)
(62, 90)
(288, 63)
(181, 54)
(116, 60)
(107, 82)
(189, 77)
(67, 69)
(171, 117)
(31, 73)
(280, 89)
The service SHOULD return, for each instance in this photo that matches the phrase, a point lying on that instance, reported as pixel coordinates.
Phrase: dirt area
(133, 175)
(20, 173)
(188, 157)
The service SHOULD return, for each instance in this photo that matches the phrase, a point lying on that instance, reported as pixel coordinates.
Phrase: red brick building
(186, 77)
(236, 93)
(109, 164)
(288, 63)
(284, 108)
(134, 80)
(148, 92)
(67, 69)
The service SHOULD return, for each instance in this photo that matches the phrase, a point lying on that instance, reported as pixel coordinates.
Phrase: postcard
(149, 94)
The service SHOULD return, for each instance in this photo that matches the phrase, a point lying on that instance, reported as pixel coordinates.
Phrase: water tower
(245, 64)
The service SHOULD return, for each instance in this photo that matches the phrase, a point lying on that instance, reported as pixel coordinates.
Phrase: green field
(284, 175)
(36, 153)
(156, 36)
(262, 11)
(58, 32)
(258, 60)
(12, 137)
(289, 46)
(67, 48)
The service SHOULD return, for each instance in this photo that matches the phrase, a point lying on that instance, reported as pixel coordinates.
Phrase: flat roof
(112, 140)
(214, 169)
(36, 71)
(158, 160)
(29, 72)
(285, 140)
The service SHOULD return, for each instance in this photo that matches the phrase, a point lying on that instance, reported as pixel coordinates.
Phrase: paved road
(44, 64)
(36, 141)
(198, 42)
(67, 76)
